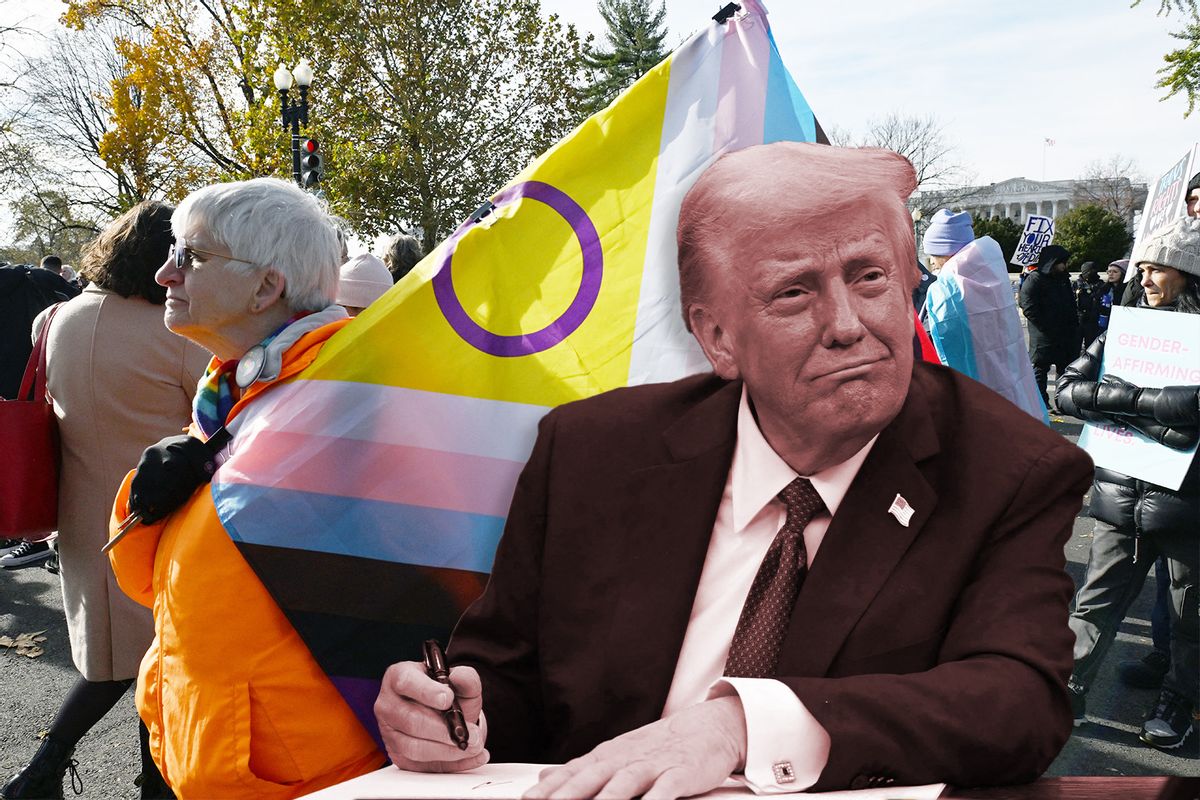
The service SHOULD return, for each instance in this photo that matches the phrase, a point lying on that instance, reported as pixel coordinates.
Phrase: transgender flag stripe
(352, 526)
(423, 478)
(393, 415)
(373, 471)
(787, 116)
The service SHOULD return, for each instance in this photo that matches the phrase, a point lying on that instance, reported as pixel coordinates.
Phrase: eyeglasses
(183, 256)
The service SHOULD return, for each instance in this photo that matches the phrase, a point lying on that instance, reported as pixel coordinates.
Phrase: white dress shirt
(779, 729)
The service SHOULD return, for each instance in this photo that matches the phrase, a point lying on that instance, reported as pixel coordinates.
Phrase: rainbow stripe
(370, 493)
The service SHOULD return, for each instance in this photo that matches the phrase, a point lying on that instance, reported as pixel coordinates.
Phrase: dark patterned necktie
(754, 652)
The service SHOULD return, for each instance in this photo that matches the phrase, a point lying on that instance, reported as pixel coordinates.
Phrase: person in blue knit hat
(949, 232)
(970, 313)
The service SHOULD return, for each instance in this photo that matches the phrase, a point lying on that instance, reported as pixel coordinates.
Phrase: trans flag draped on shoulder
(369, 494)
(974, 325)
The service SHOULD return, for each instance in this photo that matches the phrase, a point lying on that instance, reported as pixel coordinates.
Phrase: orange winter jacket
(235, 704)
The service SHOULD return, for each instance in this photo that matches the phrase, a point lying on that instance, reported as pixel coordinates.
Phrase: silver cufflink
(784, 772)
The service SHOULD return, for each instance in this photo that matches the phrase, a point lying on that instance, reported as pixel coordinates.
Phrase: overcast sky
(1001, 76)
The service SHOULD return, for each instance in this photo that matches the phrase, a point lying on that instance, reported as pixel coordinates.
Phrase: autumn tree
(45, 181)
(1092, 233)
(422, 108)
(428, 107)
(196, 88)
(635, 38)
(11, 35)
(82, 99)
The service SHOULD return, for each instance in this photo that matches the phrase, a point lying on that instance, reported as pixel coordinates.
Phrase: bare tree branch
(922, 140)
(1113, 183)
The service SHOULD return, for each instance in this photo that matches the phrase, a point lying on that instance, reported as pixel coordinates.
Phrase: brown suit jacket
(934, 652)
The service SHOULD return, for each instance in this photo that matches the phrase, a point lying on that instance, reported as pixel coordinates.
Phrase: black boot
(151, 786)
(43, 775)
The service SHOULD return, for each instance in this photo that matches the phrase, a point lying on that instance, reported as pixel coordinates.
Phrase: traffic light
(311, 163)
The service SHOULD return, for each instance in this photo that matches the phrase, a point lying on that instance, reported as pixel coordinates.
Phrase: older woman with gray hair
(235, 703)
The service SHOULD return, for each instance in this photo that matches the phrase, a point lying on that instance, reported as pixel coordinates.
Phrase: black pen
(435, 666)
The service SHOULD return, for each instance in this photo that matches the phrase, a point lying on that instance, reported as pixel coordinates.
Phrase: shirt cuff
(786, 748)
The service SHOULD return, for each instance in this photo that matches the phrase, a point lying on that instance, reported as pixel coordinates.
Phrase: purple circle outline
(585, 299)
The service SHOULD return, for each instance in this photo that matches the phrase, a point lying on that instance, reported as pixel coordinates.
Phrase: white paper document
(505, 781)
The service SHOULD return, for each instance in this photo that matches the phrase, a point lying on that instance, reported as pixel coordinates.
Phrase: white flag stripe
(392, 415)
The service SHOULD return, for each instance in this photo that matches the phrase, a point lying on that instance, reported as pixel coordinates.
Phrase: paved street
(30, 600)
(1107, 744)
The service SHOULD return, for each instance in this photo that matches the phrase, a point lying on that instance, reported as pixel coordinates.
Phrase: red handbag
(30, 461)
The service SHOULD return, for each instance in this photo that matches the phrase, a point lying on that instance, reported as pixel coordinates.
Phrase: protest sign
(1151, 349)
(1039, 232)
(1166, 198)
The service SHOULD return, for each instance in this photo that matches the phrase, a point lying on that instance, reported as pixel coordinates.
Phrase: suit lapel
(669, 511)
(864, 542)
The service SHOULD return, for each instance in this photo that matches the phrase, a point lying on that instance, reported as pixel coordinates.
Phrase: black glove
(1176, 406)
(1181, 438)
(167, 475)
(1117, 396)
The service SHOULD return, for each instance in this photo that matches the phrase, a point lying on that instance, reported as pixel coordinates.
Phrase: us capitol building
(1017, 198)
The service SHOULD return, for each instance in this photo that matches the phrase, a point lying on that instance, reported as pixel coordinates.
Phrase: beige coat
(120, 382)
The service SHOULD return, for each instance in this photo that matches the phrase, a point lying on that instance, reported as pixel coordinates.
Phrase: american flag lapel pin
(901, 510)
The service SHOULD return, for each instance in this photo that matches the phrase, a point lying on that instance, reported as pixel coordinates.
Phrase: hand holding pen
(435, 665)
(416, 711)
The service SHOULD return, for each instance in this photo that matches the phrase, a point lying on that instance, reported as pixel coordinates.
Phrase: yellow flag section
(536, 303)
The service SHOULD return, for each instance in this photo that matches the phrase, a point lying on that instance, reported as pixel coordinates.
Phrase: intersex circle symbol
(589, 286)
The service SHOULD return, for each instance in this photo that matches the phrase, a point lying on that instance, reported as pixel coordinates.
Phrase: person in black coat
(1053, 322)
(1136, 521)
(1088, 293)
(24, 291)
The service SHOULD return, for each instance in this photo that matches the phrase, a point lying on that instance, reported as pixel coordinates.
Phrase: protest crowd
(758, 563)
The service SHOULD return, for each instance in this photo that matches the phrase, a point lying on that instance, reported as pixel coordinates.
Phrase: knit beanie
(1175, 246)
(1194, 183)
(948, 233)
(362, 280)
